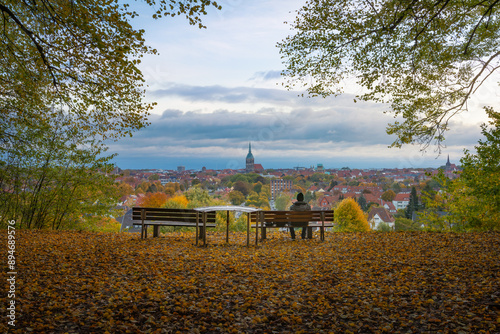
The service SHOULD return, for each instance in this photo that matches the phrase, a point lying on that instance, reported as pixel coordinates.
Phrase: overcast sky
(219, 88)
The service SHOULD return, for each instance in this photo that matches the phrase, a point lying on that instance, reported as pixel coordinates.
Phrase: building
(279, 185)
(258, 168)
(379, 216)
(401, 201)
(250, 168)
(450, 170)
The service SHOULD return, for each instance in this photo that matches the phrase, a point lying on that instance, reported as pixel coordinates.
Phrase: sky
(219, 89)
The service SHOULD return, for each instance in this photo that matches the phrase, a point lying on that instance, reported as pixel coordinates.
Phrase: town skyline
(240, 163)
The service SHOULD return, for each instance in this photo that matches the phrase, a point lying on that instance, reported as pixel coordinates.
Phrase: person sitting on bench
(299, 205)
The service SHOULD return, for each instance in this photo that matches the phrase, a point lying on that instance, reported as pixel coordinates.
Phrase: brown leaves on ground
(71, 282)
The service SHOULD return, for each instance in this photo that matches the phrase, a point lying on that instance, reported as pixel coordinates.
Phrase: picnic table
(211, 209)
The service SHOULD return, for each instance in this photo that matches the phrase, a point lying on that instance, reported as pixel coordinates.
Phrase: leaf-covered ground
(79, 282)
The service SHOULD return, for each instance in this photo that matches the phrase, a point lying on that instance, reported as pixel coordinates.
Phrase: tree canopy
(472, 201)
(425, 58)
(69, 81)
(81, 56)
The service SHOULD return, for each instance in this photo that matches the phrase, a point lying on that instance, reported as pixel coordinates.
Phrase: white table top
(227, 208)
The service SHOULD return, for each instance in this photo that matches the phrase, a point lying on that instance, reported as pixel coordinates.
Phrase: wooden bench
(287, 219)
(157, 217)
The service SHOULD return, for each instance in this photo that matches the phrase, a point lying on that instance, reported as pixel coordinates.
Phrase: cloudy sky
(219, 88)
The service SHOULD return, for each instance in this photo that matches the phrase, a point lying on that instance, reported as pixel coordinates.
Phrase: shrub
(384, 227)
(350, 218)
(404, 224)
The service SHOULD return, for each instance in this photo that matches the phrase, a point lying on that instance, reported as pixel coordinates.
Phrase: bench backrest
(293, 216)
(174, 215)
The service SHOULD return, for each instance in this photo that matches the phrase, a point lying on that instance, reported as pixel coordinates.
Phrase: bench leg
(156, 231)
(309, 232)
(264, 234)
(202, 233)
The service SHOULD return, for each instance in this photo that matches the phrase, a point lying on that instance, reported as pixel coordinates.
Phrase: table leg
(204, 228)
(197, 227)
(227, 227)
(143, 217)
(248, 229)
(257, 228)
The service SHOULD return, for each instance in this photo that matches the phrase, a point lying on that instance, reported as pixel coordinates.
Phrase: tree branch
(490, 10)
(33, 39)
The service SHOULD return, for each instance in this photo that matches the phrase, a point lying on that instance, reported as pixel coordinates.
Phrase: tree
(309, 196)
(153, 177)
(283, 201)
(350, 218)
(388, 195)
(54, 177)
(257, 187)
(396, 186)
(236, 197)
(424, 58)
(472, 201)
(81, 56)
(257, 200)
(171, 188)
(405, 224)
(266, 190)
(362, 203)
(152, 188)
(243, 187)
(176, 202)
(481, 176)
(153, 200)
(412, 205)
(197, 197)
(69, 83)
(125, 189)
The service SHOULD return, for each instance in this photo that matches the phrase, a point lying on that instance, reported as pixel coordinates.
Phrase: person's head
(300, 197)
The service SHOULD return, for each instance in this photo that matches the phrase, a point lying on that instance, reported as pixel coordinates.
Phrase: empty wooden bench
(157, 217)
(287, 219)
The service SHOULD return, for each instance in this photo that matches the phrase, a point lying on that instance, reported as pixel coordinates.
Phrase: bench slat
(163, 214)
(174, 218)
(183, 224)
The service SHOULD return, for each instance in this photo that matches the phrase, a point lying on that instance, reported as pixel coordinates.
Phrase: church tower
(249, 161)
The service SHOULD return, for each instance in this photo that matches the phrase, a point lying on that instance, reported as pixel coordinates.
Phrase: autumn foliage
(153, 200)
(350, 218)
(82, 282)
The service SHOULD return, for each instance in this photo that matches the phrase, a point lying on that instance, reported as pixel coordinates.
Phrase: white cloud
(216, 91)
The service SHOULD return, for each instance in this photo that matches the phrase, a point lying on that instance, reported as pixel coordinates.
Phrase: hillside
(80, 282)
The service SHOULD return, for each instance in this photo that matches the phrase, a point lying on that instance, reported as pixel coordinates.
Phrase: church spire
(250, 159)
